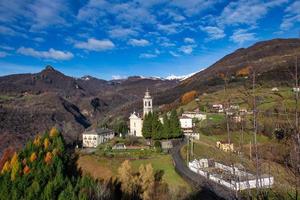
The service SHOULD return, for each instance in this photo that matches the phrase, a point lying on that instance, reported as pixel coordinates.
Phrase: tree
(166, 127)
(175, 125)
(188, 97)
(15, 166)
(146, 181)
(53, 132)
(33, 157)
(147, 125)
(156, 127)
(126, 177)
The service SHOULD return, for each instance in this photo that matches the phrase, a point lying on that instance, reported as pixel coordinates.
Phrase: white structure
(229, 176)
(218, 108)
(136, 122)
(274, 89)
(186, 122)
(94, 137)
(195, 115)
(147, 100)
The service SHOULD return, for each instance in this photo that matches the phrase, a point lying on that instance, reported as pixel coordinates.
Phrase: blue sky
(115, 39)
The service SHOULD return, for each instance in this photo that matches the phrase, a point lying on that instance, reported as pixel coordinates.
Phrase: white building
(186, 122)
(136, 125)
(195, 115)
(92, 138)
(136, 122)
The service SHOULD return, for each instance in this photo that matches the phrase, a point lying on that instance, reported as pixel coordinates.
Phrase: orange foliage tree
(46, 143)
(243, 72)
(37, 141)
(26, 169)
(53, 132)
(33, 157)
(6, 167)
(48, 158)
(15, 166)
(188, 96)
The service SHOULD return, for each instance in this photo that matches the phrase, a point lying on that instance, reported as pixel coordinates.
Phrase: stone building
(92, 138)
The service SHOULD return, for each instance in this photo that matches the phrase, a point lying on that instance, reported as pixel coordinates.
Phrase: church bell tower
(147, 100)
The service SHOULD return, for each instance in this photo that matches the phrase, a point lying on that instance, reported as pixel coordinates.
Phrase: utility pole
(255, 127)
(187, 151)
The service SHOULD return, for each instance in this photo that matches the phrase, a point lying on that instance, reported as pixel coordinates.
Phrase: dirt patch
(91, 166)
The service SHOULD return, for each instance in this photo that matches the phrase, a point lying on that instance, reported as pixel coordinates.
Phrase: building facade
(136, 121)
(92, 138)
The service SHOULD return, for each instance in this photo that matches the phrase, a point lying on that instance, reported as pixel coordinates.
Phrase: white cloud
(5, 47)
(50, 54)
(169, 28)
(213, 32)
(122, 32)
(192, 7)
(242, 35)
(3, 54)
(246, 12)
(93, 44)
(189, 40)
(46, 13)
(174, 54)
(118, 77)
(139, 43)
(39, 39)
(7, 31)
(291, 17)
(187, 49)
(148, 55)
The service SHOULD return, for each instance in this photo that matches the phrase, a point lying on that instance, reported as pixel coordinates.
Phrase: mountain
(31, 103)
(273, 62)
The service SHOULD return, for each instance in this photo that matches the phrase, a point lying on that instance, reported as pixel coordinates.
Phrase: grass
(205, 148)
(102, 167)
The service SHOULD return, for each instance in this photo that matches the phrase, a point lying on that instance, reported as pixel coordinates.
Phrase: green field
(106, 166)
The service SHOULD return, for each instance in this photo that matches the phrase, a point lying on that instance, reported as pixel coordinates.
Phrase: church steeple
(147, 100)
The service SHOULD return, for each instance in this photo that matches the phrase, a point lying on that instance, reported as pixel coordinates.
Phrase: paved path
(208, 189)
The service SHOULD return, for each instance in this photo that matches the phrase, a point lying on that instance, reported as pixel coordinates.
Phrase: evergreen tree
(175, 125)
(147, 126)
(166, 133)
(156, 127)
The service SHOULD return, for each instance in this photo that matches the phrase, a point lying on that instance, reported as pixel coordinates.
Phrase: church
(136, 121)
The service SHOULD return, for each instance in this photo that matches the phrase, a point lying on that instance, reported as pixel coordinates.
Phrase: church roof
(134, 115)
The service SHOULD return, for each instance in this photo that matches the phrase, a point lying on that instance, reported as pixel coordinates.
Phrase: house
(194, 115)
(218, 108)
(296, 89)
(136, 122)
(186, 123)
(225, 146)
(274, 89)
(92, 138)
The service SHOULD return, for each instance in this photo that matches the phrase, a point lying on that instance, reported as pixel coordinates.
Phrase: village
(234, 176)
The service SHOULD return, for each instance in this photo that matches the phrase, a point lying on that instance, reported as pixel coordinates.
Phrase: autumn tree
(146, 181)
(126, 177)
(15, 166)
(188, 96)
(53, 132)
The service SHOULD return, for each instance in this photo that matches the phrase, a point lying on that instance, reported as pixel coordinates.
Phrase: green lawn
(105, 166)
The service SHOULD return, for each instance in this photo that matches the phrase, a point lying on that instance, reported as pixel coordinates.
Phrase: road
(207, 189)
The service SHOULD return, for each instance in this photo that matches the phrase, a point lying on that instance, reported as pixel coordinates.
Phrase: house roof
(97, 131)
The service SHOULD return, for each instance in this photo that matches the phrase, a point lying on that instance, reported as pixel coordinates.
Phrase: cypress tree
(147, 126)
(175, 125)
(166, 133)
(156, 127)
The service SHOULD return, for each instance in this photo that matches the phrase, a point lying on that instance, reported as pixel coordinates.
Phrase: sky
(111, 39)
